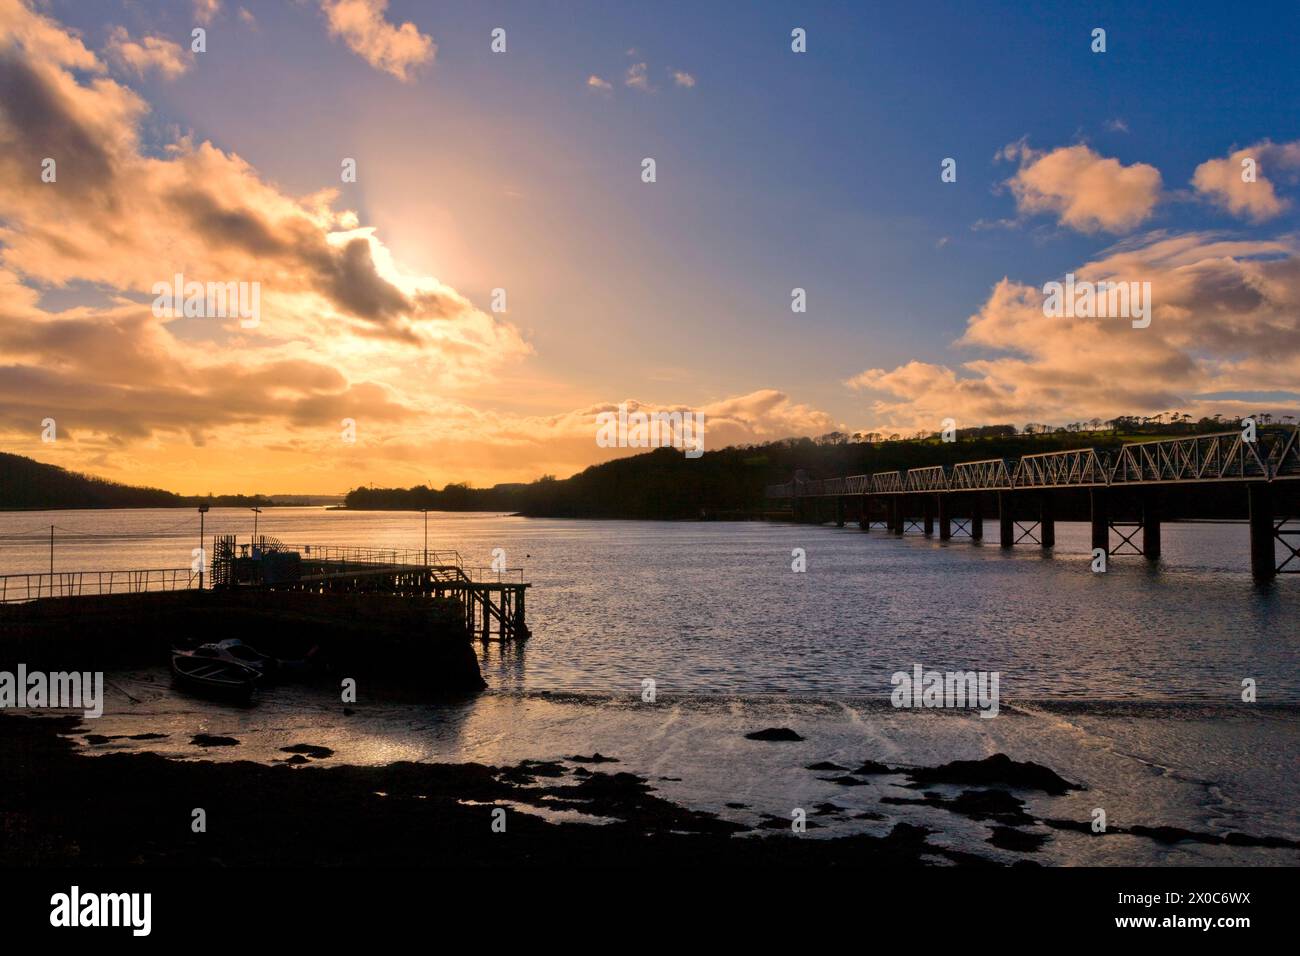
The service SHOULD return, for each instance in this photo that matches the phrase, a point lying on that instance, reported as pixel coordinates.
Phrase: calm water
(716, 608)
(1128, 682)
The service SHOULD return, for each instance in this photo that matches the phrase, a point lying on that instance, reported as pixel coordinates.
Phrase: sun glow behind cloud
(375, 300)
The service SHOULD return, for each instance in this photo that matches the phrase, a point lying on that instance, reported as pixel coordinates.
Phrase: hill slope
(28, 484)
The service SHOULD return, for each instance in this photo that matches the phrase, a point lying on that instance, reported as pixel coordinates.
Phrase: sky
(381, 354)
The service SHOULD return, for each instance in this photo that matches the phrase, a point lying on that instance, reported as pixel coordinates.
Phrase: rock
(845, 781)
(348, 711)
(996, 769)
(870, 768)
(1079, 826)
(990, 805)
(597, 757)
(827, 809)
(295, 760)
(771, 822)
(1171, 835)
(309, 750)
(976, 804)
(825, 765)
(542, 768)
(773, 733)
(738, 806)
(1243, 839)
(1009, 838)
(96, 739)
(212, 740)
(868, 815)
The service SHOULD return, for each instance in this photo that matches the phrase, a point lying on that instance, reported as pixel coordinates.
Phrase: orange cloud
(1241, 184)
(1226, 318)
(147, 54)
(361, 24)
(1084, 190)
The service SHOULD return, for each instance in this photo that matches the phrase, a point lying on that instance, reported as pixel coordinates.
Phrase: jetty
(1124, 494)
(492, 600)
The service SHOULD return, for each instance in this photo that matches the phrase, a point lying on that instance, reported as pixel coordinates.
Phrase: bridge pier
(1100, 519)
(839, 511)
(864, 513)
(927, 509)
(1047, 521)
(945, 518)
(1263, 566)
(1151, 523)
(896, 514)
(977, 518)
(1005, 520)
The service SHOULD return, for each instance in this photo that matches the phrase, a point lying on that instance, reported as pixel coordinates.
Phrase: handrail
(30, 586)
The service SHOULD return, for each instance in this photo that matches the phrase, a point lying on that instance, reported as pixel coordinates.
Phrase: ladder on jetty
(493, 601)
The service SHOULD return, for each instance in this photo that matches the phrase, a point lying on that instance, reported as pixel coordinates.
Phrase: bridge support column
(1262, 563)
(977, 518)
(864, 513)
(1047, 521)
(1100, 519)
(896, 514)
(1151, 523)
(1005, 520)
(927, 509)
(945, 517)
(839, 511)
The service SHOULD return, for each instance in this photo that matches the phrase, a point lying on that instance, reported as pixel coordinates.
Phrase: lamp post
(203, 510)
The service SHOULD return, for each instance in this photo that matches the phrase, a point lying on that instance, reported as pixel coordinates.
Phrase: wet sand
(299, 779)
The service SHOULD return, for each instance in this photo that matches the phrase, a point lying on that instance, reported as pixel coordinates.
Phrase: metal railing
(16, 588)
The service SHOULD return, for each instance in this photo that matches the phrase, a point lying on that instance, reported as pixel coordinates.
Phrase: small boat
(204, 670)
(233, 649)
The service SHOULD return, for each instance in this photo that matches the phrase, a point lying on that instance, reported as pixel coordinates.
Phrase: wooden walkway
(493, 601)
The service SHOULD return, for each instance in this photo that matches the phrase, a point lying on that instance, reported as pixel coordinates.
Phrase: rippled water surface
(716, 608)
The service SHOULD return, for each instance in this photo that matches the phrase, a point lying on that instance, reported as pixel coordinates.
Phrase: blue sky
(775, 170)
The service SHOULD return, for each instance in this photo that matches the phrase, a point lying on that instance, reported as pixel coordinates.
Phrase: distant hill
(729, 482)
(28, 485)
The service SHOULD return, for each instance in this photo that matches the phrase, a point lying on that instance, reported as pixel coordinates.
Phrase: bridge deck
(1273, 455)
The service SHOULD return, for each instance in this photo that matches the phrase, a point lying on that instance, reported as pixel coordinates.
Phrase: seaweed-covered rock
(774, 734)
(999, 768)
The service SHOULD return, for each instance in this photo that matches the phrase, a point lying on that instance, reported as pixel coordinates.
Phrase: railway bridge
(1024, 494)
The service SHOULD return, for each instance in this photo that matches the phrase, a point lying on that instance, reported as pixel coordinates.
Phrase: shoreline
(136, 809)
(598, 782)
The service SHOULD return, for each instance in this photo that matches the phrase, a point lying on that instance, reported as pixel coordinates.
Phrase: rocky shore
(63, 807)
(60, 808)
